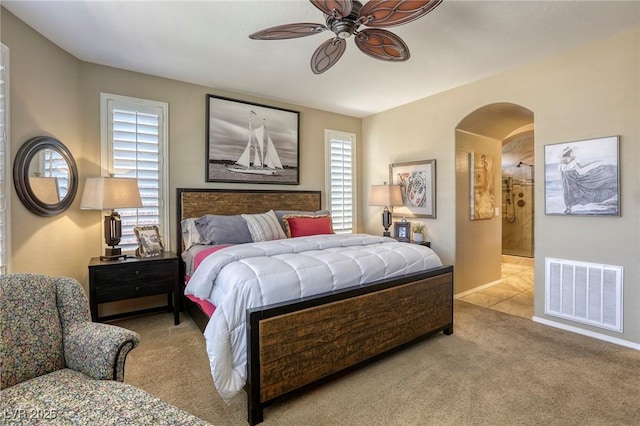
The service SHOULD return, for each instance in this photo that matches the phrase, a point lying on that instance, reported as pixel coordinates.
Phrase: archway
(479, 241)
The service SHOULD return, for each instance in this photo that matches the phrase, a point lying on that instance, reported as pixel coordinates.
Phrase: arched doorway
(479, 242)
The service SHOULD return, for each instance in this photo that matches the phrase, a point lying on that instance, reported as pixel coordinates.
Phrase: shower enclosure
(517, 210)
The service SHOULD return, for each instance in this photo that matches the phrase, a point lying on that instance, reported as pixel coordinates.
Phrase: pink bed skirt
(207, 307)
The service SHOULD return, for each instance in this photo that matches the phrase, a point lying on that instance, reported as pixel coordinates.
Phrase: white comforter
(249, 275)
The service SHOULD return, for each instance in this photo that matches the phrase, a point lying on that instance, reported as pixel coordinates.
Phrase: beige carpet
(496, 369)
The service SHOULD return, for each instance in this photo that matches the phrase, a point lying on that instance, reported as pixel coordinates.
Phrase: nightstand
(424, 243)
(131, 277)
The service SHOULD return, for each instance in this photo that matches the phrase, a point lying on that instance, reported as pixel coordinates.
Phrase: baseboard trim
(588, 333)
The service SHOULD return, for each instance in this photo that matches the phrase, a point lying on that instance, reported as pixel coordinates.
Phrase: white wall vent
(585, 292)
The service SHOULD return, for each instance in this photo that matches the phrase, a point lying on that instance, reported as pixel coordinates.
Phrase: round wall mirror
(45, 176)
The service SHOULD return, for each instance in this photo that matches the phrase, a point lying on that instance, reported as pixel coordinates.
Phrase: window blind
(341, 182)
(54, 165)
(135, 150)
(5, 229)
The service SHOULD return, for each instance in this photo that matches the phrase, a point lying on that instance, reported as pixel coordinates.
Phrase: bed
(292, 345)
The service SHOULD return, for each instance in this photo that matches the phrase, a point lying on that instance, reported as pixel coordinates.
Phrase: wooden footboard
(297, 344)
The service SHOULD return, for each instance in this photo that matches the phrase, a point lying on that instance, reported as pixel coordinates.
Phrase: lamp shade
(385, 195)
(109, 193)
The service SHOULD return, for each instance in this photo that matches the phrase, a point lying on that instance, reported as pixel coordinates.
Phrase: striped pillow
(264, 227)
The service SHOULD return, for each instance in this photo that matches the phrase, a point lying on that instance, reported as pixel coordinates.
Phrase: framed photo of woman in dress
(582, 178)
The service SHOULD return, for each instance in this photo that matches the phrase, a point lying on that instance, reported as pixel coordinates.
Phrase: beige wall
(586, 93)
(55, 94)
(45, 100)
(476, 236)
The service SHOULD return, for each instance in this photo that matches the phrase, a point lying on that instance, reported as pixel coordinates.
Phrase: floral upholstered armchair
(58, 367)
(45, 326)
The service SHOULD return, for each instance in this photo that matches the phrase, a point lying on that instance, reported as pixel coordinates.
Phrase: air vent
(589, 293)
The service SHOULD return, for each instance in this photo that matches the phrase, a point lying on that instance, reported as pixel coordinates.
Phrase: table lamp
(110, 193)
(385, 195)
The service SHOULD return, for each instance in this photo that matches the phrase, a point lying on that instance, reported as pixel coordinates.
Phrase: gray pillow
(220, 229)
(281, 213)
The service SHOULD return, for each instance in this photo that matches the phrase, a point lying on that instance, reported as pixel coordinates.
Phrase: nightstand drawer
(134, 288)
(133, 273)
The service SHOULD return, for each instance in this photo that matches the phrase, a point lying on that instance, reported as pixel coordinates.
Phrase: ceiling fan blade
(327, 55)
(334, 7)
(382, 44)
(281, 32)
(389, 13)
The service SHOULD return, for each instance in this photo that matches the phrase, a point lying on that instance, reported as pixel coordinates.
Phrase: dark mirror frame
(21, 164)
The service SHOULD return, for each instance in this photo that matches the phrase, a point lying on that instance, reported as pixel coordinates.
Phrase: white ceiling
(206, 42)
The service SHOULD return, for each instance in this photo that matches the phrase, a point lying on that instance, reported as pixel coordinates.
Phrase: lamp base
(386, 222)
(113, 253)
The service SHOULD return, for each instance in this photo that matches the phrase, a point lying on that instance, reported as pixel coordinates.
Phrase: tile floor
(513, 294)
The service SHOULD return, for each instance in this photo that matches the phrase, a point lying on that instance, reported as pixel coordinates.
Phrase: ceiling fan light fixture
(342, 28)
(344, 17)
(345, 26)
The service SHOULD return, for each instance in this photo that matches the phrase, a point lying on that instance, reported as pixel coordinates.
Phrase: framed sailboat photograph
(251, 143)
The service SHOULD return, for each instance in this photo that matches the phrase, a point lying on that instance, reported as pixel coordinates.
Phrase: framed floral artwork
(417, 180)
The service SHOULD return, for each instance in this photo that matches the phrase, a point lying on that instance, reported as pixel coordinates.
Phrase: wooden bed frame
(298, 344)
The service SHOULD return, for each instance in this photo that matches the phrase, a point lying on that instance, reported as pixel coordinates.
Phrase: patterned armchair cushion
(30, 328)
(67, 397)
(73, 305)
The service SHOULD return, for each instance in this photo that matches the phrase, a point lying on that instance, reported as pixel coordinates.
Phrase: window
(5, 161)
(51, 164)
(340, 177)
(135, 145)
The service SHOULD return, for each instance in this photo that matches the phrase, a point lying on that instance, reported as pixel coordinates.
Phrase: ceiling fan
(344, 18)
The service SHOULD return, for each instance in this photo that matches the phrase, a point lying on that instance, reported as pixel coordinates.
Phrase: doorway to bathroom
(518, 186)
(485, 276)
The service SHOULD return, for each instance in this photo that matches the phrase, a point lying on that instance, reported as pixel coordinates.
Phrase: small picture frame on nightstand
(149, 241)
(402, 231)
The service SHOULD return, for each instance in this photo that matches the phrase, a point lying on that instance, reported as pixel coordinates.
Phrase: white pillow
(264, 227)
(190, 234)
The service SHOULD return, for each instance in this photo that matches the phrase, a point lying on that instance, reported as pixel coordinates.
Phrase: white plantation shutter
(54, 165)
(340, 172)
(5, 174)
(136, 148)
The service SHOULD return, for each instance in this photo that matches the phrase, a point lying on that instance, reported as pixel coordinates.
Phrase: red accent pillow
(302, 226)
